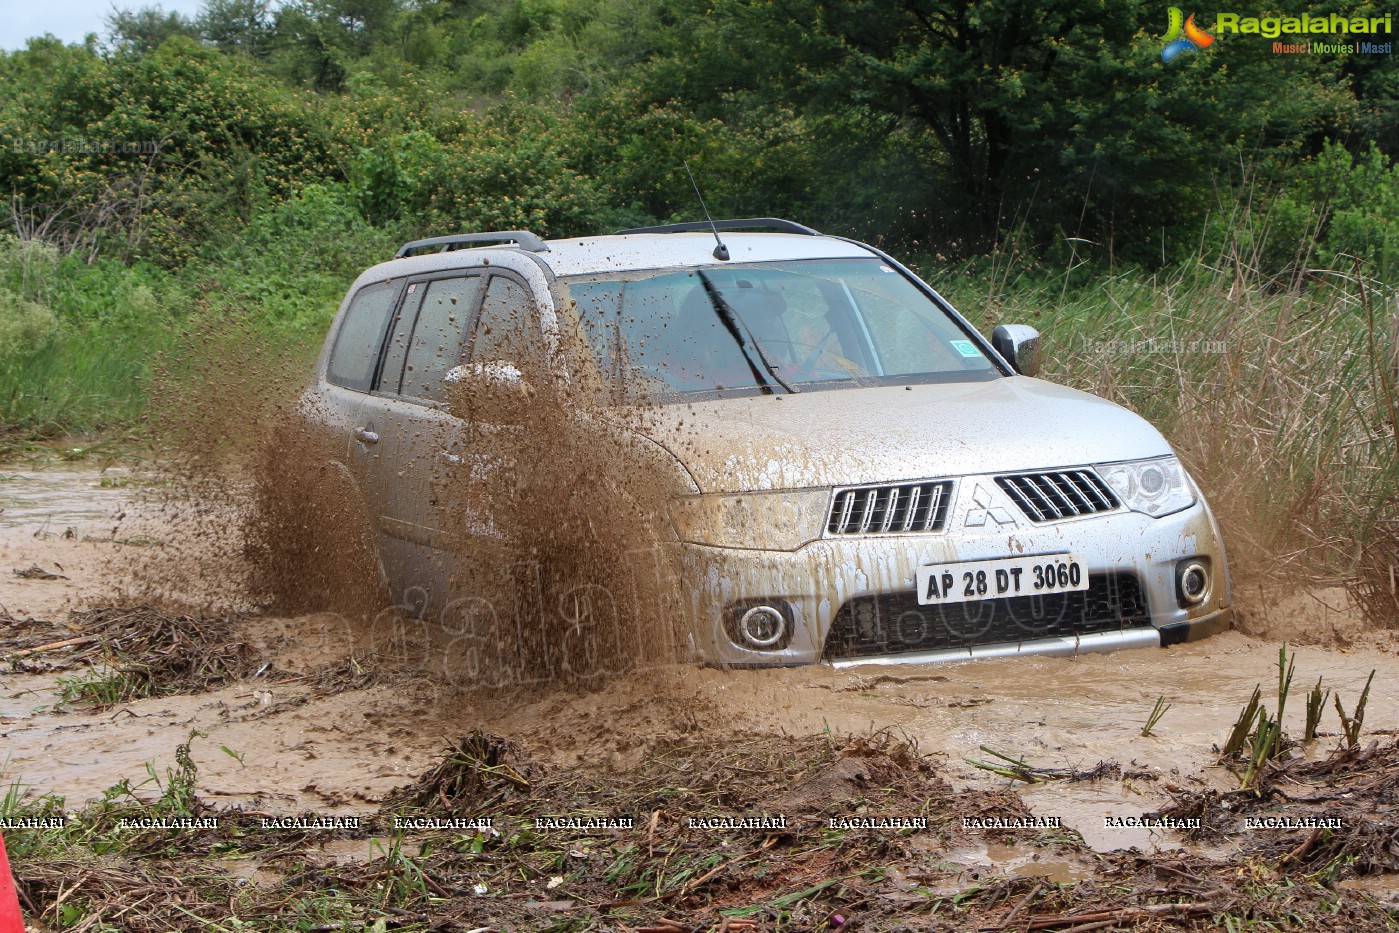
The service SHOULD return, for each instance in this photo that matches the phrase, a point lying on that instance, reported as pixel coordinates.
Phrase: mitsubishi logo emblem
(976, 518)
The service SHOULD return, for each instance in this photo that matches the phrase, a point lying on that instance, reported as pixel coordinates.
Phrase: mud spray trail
(314, 714)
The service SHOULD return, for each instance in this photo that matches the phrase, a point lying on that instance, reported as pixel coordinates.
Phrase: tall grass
(82, 383)
(84, 343)
(1280, 401)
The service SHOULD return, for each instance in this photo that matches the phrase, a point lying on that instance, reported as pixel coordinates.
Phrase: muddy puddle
(49, 501)
(56, 528)
(295, 736)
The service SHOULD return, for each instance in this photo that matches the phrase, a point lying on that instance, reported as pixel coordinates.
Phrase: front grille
(894, 623)
(1044, 497)
(877, 510)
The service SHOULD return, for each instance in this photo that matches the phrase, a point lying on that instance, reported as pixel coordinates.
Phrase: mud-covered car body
(867, 479)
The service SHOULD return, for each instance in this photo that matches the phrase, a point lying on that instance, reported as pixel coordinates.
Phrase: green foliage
(934, 121)
(75, 337)
(1062, 112)
(148, 155)
(25, 327)
(505, 171)
(1363, 195)
(237, 25)
(144, 29)
(1332, 212)
(84, 381)
(101, 689)
(637, 148)
(293, 263)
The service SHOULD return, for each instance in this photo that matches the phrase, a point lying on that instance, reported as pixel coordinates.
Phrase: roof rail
(775, 224)
(527, 240)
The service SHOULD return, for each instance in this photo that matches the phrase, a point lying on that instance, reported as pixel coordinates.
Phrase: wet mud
(362, 717)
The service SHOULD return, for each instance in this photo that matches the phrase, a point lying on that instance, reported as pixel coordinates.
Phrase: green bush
(291, 266)
(507, 170)
(151, 155)
(25, 326)
(1332, 213)
(1364, 217)
(76, 339)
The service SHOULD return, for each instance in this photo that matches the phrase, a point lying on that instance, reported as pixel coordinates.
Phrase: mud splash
(215, 403)
(561, 566)
(568, 555)
(306, 547)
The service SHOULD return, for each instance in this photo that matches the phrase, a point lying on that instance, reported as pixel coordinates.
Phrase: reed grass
(87, 381)
(1239, 734)
(1154, 717)
(1316, 705)
(1279, 399)
(1352, 724)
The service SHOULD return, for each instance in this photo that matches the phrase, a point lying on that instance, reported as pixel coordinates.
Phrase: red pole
(10, 919)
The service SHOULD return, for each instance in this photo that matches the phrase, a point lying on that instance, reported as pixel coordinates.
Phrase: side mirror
(1020, 345)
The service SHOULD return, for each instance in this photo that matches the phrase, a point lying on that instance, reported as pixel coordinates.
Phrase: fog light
(1193, 581)
(760, 625)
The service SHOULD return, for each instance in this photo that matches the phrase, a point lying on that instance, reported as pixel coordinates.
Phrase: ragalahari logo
(1184, 36)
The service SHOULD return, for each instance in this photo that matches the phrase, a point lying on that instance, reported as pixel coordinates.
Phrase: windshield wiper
(734, 327)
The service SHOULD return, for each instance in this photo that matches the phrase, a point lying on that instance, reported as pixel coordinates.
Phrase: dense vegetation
(937, 121)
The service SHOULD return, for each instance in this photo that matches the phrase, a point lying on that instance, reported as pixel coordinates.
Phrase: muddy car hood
(857, 436)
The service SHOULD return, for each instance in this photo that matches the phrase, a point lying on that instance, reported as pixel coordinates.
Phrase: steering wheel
(807, 367)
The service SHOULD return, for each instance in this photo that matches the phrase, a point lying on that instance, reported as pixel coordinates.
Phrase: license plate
(971, 580)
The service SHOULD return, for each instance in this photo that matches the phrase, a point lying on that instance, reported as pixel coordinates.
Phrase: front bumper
(815, 581)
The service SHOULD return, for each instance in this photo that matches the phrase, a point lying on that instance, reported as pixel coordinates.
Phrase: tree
(144, 29)
(160, 154)
(1062, 108)
(316, 41)
(237, 25)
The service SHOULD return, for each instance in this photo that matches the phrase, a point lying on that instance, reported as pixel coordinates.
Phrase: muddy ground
(317, 718)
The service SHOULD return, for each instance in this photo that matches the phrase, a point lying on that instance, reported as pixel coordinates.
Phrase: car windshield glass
(803, 325)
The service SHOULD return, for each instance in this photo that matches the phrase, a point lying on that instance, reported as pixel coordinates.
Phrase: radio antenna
(721, 252)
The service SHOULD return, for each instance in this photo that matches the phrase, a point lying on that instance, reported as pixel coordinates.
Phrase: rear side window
(400, 335)
(436, 346)
(508, 325)
(357, 344)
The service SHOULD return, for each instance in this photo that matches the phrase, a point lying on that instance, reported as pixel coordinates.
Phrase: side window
(357, 344)
(400, 335)
(508, 325)
(598, 304)
(437, 336)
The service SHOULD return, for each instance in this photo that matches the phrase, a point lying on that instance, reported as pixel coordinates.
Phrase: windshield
(770, 327)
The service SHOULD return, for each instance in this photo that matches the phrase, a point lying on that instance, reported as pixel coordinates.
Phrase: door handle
(366, 436)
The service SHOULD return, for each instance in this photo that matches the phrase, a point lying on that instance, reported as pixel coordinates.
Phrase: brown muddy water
(290, 739)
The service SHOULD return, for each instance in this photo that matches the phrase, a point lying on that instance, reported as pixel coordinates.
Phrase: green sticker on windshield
(966, 348)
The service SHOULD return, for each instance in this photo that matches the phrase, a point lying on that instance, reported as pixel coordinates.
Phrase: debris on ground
(134, 652)
(35, 572)
(537, 847)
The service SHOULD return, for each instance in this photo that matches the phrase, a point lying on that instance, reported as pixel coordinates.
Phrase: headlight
(1156, 487)
(770, 521)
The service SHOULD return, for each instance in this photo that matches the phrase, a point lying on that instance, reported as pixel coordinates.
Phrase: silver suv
(869, 480)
